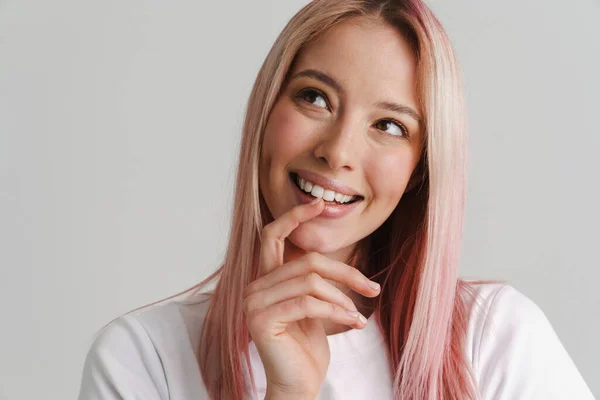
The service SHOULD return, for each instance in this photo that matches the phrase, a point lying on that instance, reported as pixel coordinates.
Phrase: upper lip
(326, 183)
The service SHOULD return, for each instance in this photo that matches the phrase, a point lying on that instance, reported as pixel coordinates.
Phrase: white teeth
(328, 195)
(317, 191)
(325, 194)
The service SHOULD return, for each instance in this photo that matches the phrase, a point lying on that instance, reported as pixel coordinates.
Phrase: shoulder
(514, 350)
(501, 316)
(500, 303)
(130, 356)
(160, 323)
(498, 313)
(181, 319)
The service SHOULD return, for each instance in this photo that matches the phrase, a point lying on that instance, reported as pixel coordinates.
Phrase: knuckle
(267, 230)
(355, 276)
(295, 214)
(248, 290)
(255, 320)
(247, 305)
(333, 308)
(312, 258)
(312, 279)
(288, 306)
(302, 302)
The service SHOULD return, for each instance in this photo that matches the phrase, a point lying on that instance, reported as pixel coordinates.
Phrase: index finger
(274, 234)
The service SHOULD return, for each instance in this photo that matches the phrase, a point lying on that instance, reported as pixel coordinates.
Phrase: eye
(314, 97)
(392, 127)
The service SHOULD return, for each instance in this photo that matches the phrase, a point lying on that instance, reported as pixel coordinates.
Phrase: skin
(343, 135)
(286, 305)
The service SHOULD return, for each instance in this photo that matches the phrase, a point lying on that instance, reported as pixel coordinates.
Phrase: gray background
(119, 128)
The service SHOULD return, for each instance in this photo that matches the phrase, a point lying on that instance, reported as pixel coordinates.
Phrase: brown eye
(313, 97)
(392, 128)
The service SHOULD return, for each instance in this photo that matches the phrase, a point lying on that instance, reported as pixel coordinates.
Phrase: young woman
(340, 279)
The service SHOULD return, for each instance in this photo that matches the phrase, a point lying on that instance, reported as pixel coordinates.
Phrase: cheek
(388, 175)
(286, 135)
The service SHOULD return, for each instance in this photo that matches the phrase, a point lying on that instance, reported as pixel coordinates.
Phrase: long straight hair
(423, 306)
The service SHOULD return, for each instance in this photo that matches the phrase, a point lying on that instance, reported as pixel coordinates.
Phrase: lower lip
(330, 210)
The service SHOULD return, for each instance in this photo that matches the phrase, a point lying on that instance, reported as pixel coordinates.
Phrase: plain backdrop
(119, 133)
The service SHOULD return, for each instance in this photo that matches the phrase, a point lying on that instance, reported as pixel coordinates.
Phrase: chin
(315, 239)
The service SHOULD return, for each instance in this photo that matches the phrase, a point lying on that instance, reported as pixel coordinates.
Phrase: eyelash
(304, 92)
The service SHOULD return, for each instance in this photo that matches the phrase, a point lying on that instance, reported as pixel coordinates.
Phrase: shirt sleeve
(520, 355)
(123, 364)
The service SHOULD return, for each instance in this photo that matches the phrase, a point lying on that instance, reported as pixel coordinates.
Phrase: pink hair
(423, 306)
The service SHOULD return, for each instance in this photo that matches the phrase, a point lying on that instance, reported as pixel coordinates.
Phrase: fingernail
(315, 201)
(374, 285)
(363, 320)
(354, 314)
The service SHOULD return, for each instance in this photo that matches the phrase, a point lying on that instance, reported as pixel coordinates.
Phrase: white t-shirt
(149, 354)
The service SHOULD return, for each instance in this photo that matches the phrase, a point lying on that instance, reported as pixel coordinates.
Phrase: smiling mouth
(317, 191)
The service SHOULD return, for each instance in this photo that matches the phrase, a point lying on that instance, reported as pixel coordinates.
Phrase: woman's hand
(283, 307)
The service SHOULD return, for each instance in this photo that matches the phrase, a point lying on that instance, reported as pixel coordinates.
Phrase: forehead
(364, 55)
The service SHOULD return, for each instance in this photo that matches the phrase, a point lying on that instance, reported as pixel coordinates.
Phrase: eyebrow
(329, 81)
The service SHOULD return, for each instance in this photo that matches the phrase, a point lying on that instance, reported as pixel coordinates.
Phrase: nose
(338, 146)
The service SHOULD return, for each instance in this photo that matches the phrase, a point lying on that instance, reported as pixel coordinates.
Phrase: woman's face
(347, 122)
